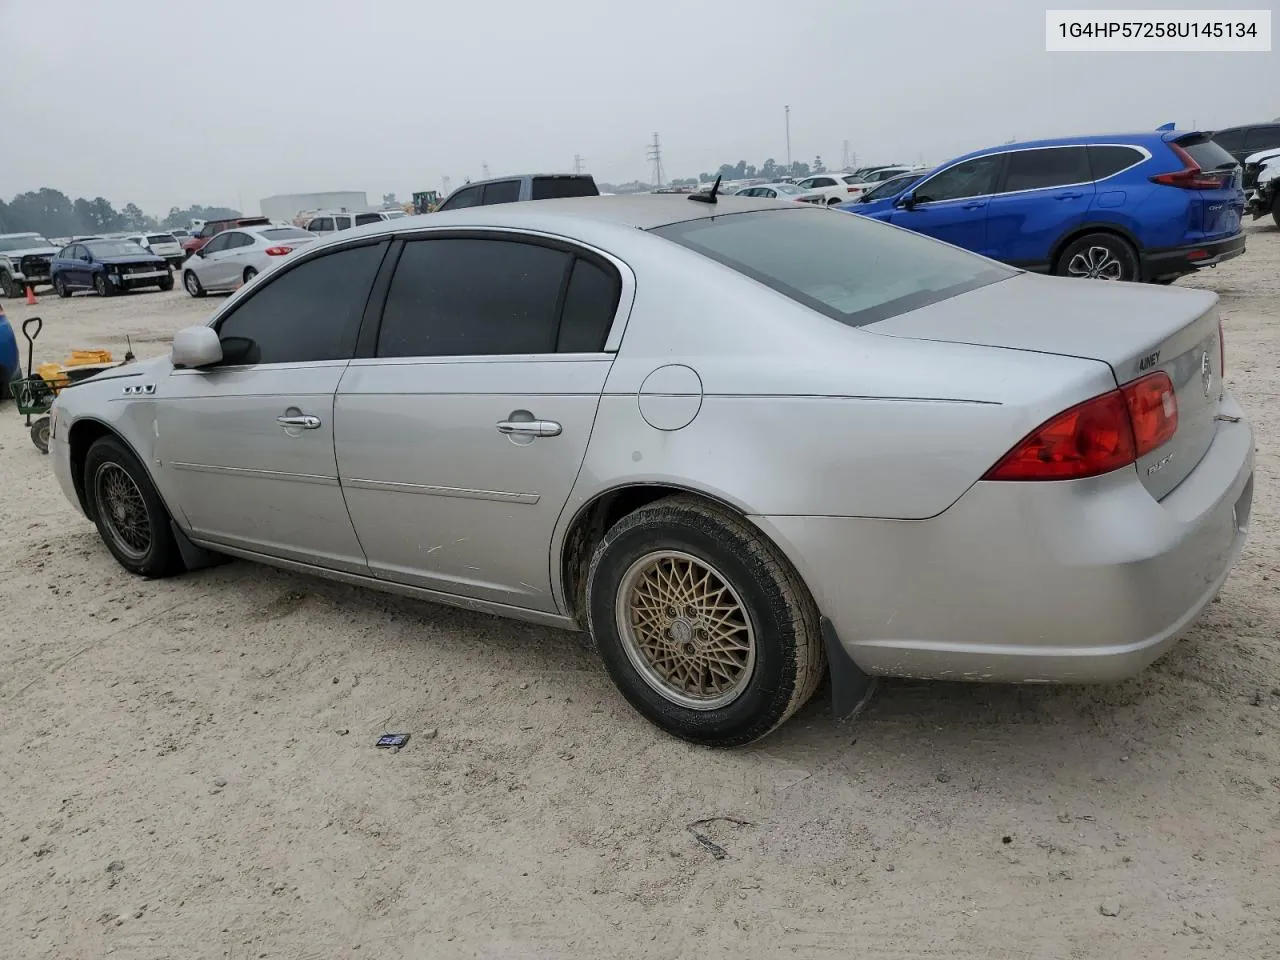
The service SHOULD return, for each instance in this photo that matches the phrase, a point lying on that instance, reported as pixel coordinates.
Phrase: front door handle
(1070, 196)
(306, 422)
(976, 205)
(529, 428)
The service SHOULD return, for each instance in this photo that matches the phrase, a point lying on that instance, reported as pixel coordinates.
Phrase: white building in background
(286, 206)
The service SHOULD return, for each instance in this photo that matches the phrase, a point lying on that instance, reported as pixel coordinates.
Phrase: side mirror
(907, 201)
(196, 347)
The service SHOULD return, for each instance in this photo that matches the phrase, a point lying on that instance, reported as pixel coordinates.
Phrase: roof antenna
(128, 351)
(708, 197)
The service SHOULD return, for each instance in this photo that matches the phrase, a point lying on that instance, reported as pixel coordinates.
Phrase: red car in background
(214, 227)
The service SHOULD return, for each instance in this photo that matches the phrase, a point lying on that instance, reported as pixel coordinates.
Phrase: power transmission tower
(844, 162)
(655, 155)
(485, 167)
(577, 163)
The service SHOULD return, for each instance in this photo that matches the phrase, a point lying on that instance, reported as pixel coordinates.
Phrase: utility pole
(577, 163)
(845, 158)
(655, 155)
(485, 168)
(787, 109)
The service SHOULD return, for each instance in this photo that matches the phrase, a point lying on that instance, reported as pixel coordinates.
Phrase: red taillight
(855, 189)
(1091, 438)
(1190, 177)
(1153, 410)
(278, 251)
(1097, 436)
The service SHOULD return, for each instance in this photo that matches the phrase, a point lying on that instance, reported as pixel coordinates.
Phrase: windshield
(890, 188)
(287, 233)
(115, 248)
(788, 189)
(23, 243)
(852, 269)
(161, 238)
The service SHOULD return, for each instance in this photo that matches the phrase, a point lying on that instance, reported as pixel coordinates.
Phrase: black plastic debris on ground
(388, 740)
(717, 851)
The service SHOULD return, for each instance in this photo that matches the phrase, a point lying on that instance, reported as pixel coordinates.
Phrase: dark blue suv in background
(1148, 206)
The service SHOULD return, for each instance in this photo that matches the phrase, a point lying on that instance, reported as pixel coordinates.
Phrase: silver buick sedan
(738, 441)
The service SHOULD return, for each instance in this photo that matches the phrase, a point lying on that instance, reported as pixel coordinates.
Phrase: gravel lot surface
(187, 767)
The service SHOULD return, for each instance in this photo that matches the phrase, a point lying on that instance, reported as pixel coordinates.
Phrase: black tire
(100, 284)
(114, 501)
(1275, 209)
(249, 274)
(166, 284)
(1165, 281)
(40, 434)
(60, 287)
(834, 200)
(780, 621)
(9, 287)
(1099, 256)
(191, 283)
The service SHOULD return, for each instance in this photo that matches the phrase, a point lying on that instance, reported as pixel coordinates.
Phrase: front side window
(972, 178)
(342, 223)
(849, 268)
(467, 197)
(1047, 168)
(309, 313)
(321, 225)
(217, 244)
(504, 191)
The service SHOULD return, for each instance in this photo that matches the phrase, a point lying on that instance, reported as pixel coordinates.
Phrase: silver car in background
(736, 440)
(234, 257)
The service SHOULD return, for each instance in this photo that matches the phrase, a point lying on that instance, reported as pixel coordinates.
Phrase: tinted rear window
(364, 218)
(842, 265)
(504, 191)
(1106, 161)
(161, 238)
(1208, 155)
(285, 233)
(549, 188)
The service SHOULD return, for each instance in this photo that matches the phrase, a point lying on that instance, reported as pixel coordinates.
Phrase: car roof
(640, 211)
(25, 233)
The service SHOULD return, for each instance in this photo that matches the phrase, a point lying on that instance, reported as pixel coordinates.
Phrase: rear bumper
(1075, 582)
(1177, 261)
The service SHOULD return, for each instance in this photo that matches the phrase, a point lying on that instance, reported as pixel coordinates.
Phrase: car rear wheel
(1275, 209)
(832, 201)
(129, 514)
(249, 274)
(102, 286)
(60, 287)
(40, 434)
(1099, 256)
(702, 623)
(192, 284)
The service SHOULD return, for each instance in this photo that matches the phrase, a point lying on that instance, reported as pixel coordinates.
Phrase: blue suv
(1147, 206)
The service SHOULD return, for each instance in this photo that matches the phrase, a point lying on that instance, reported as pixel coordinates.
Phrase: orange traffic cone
(31, 296)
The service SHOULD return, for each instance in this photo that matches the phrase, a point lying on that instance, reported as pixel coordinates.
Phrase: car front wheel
(702, 623)
(1099, 256)
(192, 284)
(101, 284)
(129, 514)
(166, 283)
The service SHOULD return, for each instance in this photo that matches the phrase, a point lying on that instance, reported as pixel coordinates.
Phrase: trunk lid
(1133, 328)
(1219, 210)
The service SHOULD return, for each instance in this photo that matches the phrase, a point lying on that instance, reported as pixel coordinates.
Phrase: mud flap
(851, 689)
(193, 557)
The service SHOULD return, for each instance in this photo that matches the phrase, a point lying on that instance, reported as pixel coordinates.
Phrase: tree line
(769, 170)
(53, 214)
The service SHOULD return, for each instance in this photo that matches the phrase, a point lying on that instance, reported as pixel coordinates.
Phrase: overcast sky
(173, 102)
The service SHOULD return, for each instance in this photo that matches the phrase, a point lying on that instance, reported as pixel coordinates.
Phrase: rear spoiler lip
(1182, 136)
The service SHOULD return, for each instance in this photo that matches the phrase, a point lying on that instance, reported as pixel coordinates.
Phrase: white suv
(323, 222)
(835, 187)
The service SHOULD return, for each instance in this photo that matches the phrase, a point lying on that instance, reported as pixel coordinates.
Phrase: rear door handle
(529, 428)
(978, 205)
(306, 422)
(1070, 196)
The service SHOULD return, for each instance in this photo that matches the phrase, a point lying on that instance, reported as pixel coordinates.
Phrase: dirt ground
(187, 767)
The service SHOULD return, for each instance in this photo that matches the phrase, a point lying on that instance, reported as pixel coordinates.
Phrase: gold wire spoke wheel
(685, 630)
(123, 510)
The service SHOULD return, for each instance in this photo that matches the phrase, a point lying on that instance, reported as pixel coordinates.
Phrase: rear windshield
(1209, 156)
(161, 238)
(364, 218)
(549, 188)
(285, 233)
(850, 268)
(890, 188)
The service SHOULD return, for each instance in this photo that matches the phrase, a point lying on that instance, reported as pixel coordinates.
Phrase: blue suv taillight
(1191, 177)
